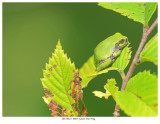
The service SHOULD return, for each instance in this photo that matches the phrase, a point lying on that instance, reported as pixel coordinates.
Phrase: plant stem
(133, 64)
(116, 111)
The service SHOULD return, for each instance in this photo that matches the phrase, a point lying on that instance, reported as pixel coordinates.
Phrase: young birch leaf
(133, 106)
(133, 11)
(123, 60)
(149, 10)
(150, 51)
(57, 78)
(145, 86)
(110, 88)
(101, 94)
(86, 71)
(141, 95)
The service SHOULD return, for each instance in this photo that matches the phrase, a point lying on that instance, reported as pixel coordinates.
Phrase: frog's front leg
(104, 63)
(116, 52)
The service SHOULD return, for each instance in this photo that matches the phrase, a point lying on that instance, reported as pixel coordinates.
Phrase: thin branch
(116, 111)
(133, 64)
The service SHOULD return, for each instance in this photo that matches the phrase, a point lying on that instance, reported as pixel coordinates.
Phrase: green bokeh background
(30, 34)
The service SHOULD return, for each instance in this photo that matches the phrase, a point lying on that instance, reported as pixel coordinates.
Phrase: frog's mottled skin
(108, 50)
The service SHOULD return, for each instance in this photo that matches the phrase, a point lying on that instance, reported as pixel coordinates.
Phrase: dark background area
(30, 34)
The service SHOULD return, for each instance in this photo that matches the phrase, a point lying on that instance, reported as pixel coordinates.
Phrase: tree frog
(108, 50)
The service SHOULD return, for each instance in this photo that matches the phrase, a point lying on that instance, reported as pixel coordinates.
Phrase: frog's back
(106, 46)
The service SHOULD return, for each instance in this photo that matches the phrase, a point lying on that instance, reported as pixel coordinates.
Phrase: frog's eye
(116, 45)
(122, 43)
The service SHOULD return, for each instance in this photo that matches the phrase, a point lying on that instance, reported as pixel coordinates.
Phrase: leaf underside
(149, 10)
(150, 51)
(133, 10)
(138, 11)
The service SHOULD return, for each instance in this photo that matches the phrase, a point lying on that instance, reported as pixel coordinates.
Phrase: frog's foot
(116, 52)
(113, 60)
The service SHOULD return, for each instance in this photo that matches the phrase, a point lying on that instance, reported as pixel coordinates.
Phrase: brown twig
(133, 64)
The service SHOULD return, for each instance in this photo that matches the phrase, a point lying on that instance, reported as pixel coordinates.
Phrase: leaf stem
(122, 74)
(146, 32)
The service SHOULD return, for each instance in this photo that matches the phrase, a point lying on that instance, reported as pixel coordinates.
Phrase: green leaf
(96, 73)
(149, 10)
(134, 106)
(88, 70)
(145, 86)
(150, 51)
(140, 97)
(110, 88)
(57, 78)
(140, 12)
(123, 60)
(133, 11)
(101, 94)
